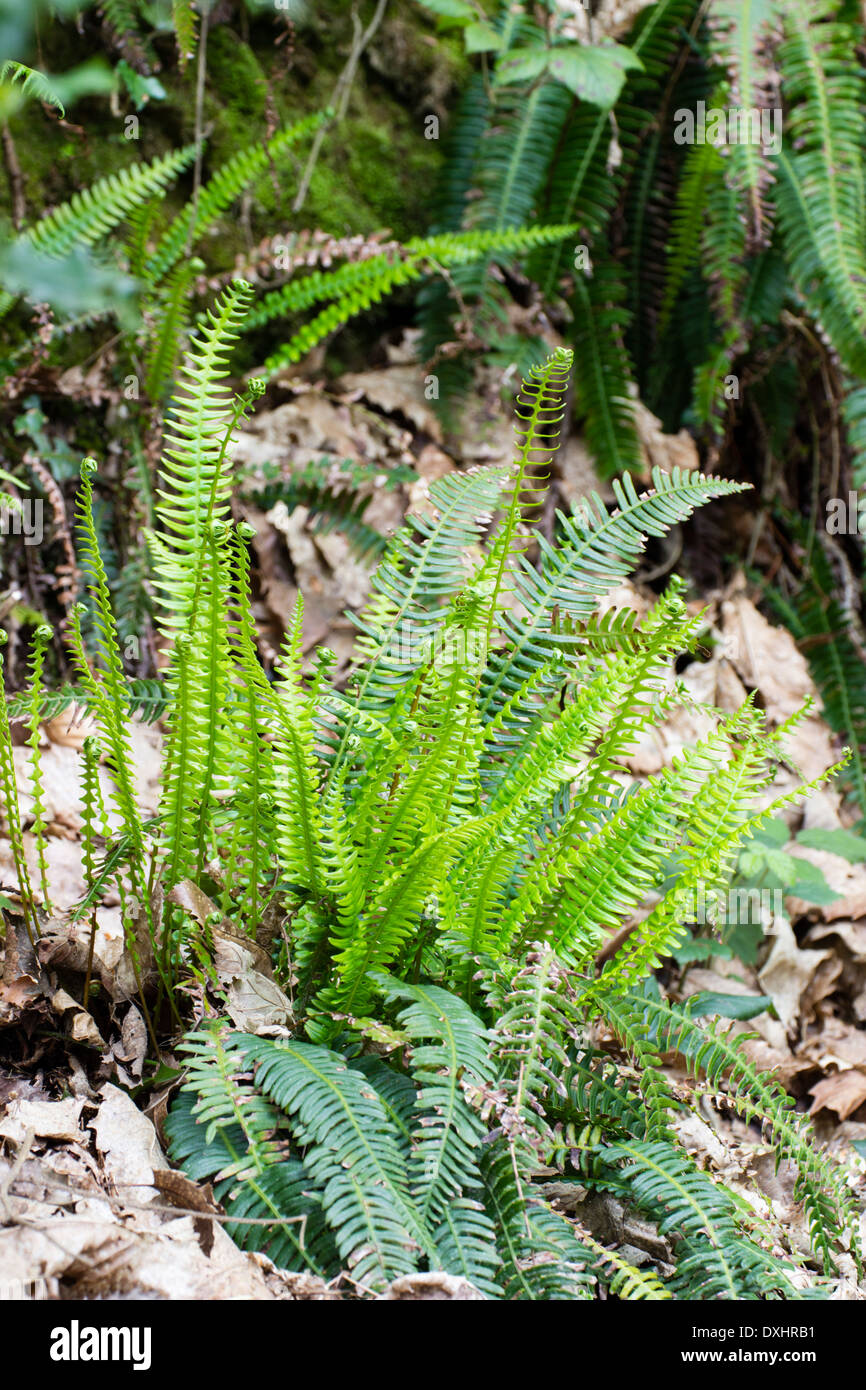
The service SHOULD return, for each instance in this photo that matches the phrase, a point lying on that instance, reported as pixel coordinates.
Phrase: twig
(340, 99)
(201, 70)
(16, 182)
(69, 1189)
(20, 1159)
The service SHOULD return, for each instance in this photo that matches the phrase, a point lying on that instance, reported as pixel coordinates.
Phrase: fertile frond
(299, 830)
(714, 1050)
(196, 478)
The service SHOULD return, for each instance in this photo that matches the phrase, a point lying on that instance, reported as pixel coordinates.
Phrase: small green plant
(449, 843)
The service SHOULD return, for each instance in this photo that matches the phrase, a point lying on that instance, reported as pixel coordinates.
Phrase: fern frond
(220, 1128)
(360, 284)
(820, 192)
(449, 1058)
(41, 637)
(595, 552)
(12, 811)
(350, 1154)
(171, 309)
(91, 215)
(424, 567)
(819, 624)
(721, 823)
(715, 1050)
(184, 20)
(542, 1256)
(624, 1280)
(604, 391)
(299, 829)
(196, 480)
(718, 1261)
(32, 83)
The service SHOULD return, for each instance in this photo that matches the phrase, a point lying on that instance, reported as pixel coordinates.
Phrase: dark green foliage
(823, 630)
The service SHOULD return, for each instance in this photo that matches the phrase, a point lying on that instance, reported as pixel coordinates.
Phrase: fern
(195, 472)
(443, 846)
(171, 308)
(715, 1051)
(605, 392)
(360, 284)
(42, 636)
(184, 19)
(449, 1059)
(32, 83)
(349, 1153)
(820, 189)
(721, 1262)
(12, 813)
(243, 1149)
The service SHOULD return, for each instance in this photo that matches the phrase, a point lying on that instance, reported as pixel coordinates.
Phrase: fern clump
(448, 844)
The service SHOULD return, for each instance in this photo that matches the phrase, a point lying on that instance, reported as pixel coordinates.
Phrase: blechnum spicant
(447, 844)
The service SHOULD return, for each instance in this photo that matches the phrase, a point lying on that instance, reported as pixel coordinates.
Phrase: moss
(235, 76)
(374, 176)
(375, 170)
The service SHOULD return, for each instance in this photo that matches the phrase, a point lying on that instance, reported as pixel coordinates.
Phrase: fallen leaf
(435, 1287)
(133, 1041)
(255, 1003)
(398, 389)
(49, 1119)
(844, 1092)
(79, 1023)
(765, 658)
(837, 1044)
(788, 971)
(127, 1141)
(845, 878)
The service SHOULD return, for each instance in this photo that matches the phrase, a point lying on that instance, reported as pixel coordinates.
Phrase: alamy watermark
(734, 907)
(731, 125)
(77, 1343)
(23, 1290)
(22, 517)
(846, 517)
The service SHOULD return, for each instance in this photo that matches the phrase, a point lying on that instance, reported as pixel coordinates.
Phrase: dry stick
(24, 1148)
(86, 996)
(16, 182)
(340, 99)
(201, 70)
(71, 1190)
